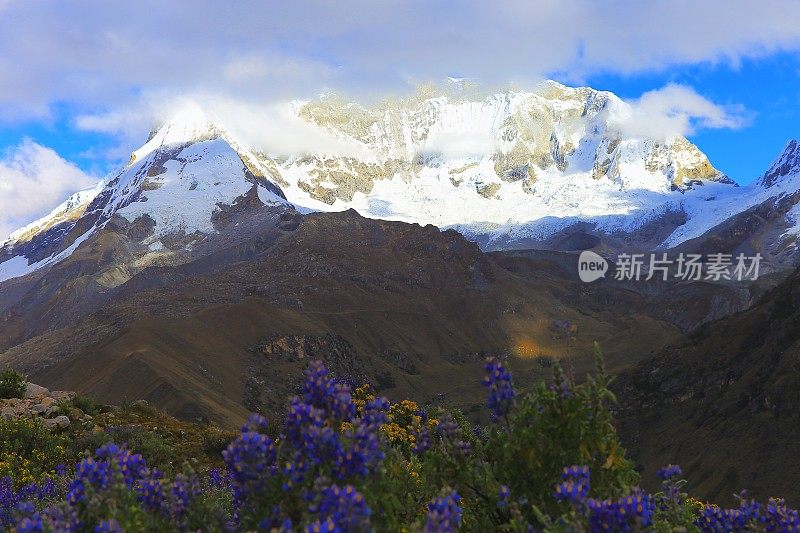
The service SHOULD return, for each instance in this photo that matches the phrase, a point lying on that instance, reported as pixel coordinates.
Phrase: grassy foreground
(343, 459)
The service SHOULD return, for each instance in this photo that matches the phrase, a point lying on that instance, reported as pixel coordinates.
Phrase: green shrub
(557, 425)
(28, 451)
(155, 447)
(87, 405)
(549, 462)
(12, 384)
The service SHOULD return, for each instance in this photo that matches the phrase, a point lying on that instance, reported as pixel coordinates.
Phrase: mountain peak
(788, 163)
(189, 124)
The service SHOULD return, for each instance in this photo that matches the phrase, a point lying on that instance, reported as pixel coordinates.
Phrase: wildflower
(503, 495)
(108, 526)
(276, 522)
(671, 497)
(669, 472)
(575, 484)
(255, 424)
(627, 513)
(463, 448)
(344, 507)
(30, 524)
(217, 479)
(328, 526)
(444, 514)
(778, 517)
(151, 493)
(250, 458)
(563, 390)
(324, 392)
(447, 426)
(750, 516)
(422, 442)
(501, 390)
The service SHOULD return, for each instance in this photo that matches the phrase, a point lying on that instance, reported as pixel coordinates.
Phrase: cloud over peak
(674, 110)
(100, 54)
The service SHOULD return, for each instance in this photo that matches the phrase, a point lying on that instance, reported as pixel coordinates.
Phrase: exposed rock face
(553, 130)
(787, 164)
(510, 170)
(507, 170)
(273, 352)
(177, 186)
(35, 391)
(39, 402)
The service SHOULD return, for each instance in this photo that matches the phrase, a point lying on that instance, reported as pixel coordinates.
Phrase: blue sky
(84, 81)
(769, 90)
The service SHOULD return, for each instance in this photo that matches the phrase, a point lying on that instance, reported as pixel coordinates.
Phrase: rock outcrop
(53, 408)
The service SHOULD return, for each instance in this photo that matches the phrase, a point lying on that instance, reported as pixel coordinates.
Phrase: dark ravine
(723, 402)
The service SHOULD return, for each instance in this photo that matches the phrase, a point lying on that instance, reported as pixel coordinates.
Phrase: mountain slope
(192, 179)
(410, 309)
(726, 391)
(173, 190)
(510, 166)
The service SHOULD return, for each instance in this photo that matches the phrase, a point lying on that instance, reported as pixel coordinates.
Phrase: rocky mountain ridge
(513, 170)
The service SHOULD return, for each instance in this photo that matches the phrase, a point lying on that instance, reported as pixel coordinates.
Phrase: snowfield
(515, 166)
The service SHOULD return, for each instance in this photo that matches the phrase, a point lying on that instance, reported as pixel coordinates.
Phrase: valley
(204, 275)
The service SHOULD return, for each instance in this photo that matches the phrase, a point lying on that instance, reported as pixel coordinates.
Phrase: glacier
(505, 169)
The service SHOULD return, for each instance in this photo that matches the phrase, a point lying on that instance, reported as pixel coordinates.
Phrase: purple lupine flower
(250, 458)
(503, 495)
(575, 484)
(669, 472)
(501, 390)
(444, 514)
(108, 526)
(630, 512)
(324, 392)
(345, 507)
(422, 441)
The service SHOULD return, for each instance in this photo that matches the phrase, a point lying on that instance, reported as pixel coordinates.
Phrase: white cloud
(104, 55)
(273, 128)
(34, 179)
(118, 66)
(277, 130)
(674, 110)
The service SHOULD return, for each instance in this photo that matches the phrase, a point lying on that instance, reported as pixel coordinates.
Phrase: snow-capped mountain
(509, 170)
(509, 166)
(776, 195)
(175, 185)
(786, 166)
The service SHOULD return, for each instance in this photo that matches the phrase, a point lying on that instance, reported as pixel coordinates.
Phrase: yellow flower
(409, 405)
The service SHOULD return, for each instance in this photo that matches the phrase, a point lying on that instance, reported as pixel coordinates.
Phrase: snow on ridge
(186, 194)
(189, 124)
(787, 164)
(75, 203)
(510, 162)
(179, 177)
(503, 166)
